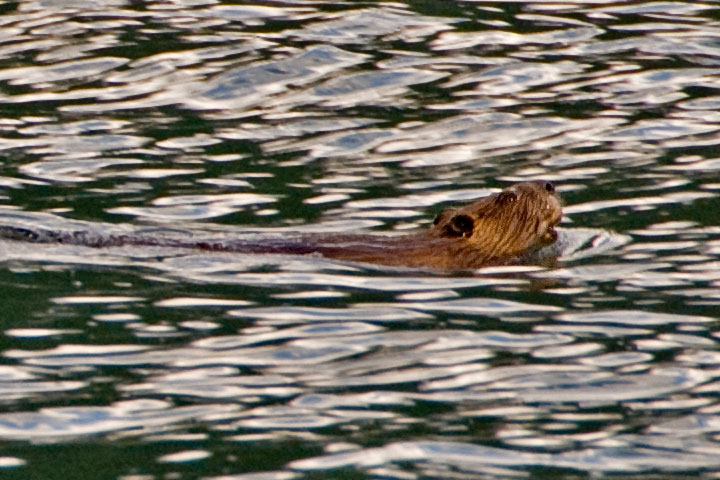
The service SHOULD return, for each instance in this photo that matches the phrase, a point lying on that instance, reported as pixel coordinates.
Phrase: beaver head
(519, 219)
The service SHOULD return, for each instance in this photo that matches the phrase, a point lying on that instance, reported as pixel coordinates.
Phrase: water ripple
(475, 458)
(65, 71)
(247, 86)
(131, 417)
(633, 317)
(360, 25)
(216, 383)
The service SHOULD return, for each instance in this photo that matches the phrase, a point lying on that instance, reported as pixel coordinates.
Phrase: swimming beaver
(504, 228)
(501, 229)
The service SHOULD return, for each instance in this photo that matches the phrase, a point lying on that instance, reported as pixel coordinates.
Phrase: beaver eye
(550, 187)
(505, 197)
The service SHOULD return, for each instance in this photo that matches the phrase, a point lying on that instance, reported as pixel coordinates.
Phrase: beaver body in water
(504, 228)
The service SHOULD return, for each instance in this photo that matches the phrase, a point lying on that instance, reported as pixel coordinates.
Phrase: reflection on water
(329, 116)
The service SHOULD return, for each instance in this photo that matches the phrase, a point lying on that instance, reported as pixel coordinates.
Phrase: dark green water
(156, 363)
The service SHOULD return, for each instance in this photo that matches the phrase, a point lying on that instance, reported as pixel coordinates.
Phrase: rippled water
(175, 116)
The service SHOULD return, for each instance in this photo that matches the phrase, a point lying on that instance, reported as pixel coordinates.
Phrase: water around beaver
(320, 116)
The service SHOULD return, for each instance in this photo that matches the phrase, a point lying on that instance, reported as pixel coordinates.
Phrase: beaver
(504, 228)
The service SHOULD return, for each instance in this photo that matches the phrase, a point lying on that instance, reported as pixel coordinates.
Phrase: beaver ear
(444, 217)
(505, 197)
(441, 217)
(459, 226)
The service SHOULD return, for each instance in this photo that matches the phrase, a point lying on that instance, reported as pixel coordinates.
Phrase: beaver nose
(550, 187)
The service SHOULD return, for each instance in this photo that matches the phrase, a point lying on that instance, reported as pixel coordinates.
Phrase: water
(143, 363)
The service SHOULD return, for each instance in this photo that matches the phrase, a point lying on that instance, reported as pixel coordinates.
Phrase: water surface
(142, 363)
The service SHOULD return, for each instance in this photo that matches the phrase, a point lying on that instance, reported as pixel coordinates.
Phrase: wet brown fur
(500, 229)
